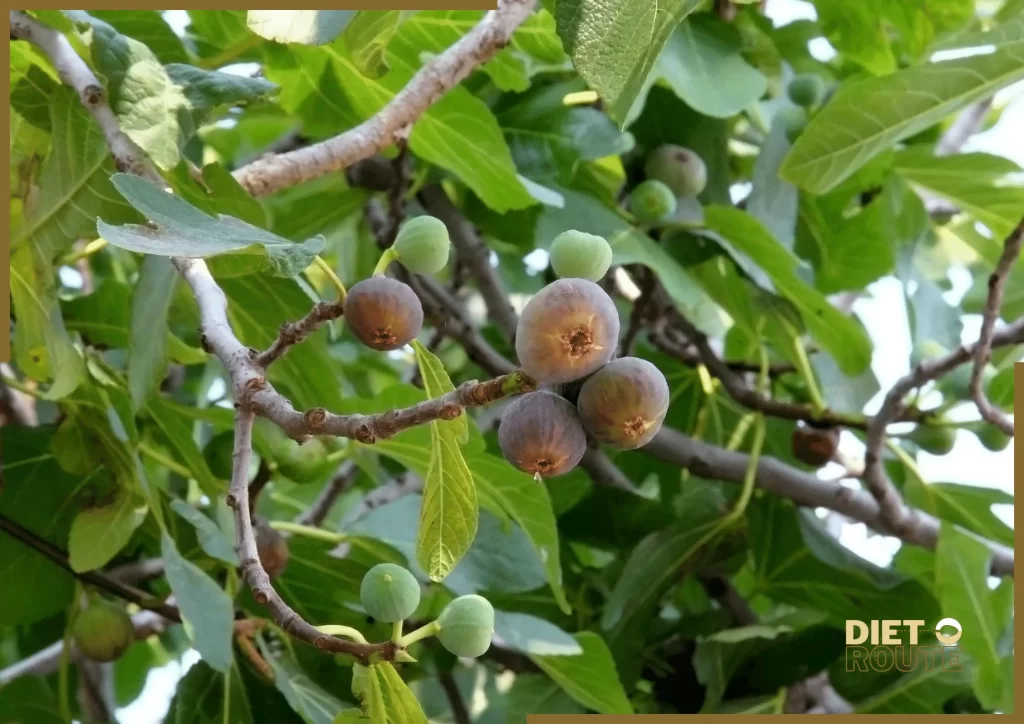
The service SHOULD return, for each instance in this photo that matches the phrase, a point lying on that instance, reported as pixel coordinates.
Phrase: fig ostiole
(624, 403)
(389, 593)
(103, 631)
(383, 313)
(577, 254)
(422, 245)
(567, 330)
(541, 434)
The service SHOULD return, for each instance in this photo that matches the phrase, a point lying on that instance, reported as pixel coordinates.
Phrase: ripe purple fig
(541, 434)
(815, 445)
(568, 330)
(271, 547)
(383, 313)
(624, 403)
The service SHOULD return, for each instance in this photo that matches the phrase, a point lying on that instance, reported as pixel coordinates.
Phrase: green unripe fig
(991, 437)
(579, 255)
(466, 625)
(935, 439)
(958, 382)
(389, 593)
(793, 119)
(305, 463)
(806, 90)
(422, 245)
(652, 201)
(679, 168)
(218, 454)
(103, 631)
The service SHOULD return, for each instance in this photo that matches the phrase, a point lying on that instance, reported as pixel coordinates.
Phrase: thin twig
(966, 125)
(259, 482)
(317, 513)
(460, 715)
(983, 350)
(292, 333)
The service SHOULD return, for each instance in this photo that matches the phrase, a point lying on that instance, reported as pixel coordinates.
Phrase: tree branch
(318, 511)
(716, 463)
(963, 128)
(983, 349)
(292, 333)
(431, 82)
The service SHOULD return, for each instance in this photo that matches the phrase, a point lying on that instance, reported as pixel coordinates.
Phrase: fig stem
(747, 491)
(329, 273)
(422, 632)
(803, 366)
(307, 531)
(337, 630)
(386, 258)
(396, 632)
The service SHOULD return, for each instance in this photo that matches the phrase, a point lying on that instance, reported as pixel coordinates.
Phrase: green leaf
(537, 694)
(175, 426)
(797, 562)
(185, 231)
(316, 584)
(532, 635)
(866, 117)
(367, 36)
(969, 506)
(147, 355)
(99, 534)
(385, 697)
(436, 383)
(458, 132)
(448, 519)
(719, 657)
(149, 27)
(529, 505)
(653, 566)
(56, 19)
(206, 696)
(859, 31)
(841, 336)
(589, 678)
(702, 63)
(29, 699)
(922, 691)
(32, 86)
(977, 183)
(214, 541)
(158, 107)
(41, 344)
(772, 201)
(961, 582)
(206, 610)
(34, 586)
(309, 27)
(614, 44)
(305, 696)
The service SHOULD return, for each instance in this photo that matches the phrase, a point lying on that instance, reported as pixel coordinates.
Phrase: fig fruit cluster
(383, 313)
(390, 593)
(103, 631)
(567, 335)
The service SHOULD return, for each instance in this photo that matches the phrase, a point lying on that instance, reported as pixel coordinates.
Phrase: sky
(883, 314)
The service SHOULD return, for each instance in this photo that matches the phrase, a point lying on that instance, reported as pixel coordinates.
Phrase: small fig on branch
(793, 119)
(383, 313)
(815, 446)
(103, 631)
(679, 168)
(389, 593)
(806, 90)
(991, 437)
(271, 547)
(568, 330)
(937, 439)
(541, 434)
(422, 245)
(624, 403)
(577, 254)
(466, 625)
(652, 201)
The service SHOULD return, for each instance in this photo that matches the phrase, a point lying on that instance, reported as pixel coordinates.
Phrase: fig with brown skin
(624, 403)
(541, 434)
(568, 330)
(272, 548)
(815, 445)
(383, 313)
